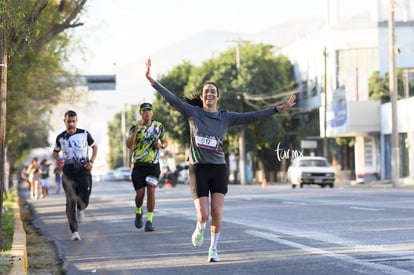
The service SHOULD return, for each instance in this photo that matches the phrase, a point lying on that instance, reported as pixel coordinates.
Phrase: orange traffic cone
(264, 183)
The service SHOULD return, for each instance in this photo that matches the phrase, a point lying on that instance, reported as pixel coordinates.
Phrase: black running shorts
(140, 172)
(208, 178)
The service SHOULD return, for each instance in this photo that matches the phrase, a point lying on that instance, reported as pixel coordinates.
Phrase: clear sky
(123, 31)
(117, 32)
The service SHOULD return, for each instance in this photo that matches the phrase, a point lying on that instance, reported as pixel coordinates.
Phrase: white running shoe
(75, 236)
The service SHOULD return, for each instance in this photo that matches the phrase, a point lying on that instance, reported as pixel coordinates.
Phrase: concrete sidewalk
(18, 251)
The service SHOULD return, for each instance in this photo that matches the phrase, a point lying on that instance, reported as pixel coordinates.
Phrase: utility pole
(325, 102)
(242, 151)
(242, 146)
(395, 155)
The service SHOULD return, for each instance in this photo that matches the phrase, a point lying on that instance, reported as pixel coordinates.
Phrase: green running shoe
(213, 256)
(198, 237)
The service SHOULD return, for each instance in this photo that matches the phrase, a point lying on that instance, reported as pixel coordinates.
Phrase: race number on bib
(151, 180)
(206, 143)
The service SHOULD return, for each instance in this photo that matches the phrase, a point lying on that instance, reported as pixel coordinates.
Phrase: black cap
(145, 106)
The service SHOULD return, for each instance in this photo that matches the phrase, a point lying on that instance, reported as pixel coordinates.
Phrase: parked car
(122, 174)
(310, 170)
(109, 176)
(98, 177)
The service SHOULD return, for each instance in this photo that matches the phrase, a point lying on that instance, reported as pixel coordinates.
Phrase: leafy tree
(307, 125)
(379, 86)
(116, 145)
(37, 50)
(176, 81)
(33, 47)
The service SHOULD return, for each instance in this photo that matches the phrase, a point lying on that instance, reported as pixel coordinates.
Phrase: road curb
(18, 251)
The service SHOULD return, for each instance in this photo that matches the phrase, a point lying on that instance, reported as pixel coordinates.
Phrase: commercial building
(340, 59)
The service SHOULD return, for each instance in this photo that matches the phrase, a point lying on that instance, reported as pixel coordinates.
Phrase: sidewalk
(352, 184)
(18, 251)
(381, 184)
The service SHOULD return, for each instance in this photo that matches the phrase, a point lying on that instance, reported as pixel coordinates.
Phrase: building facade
(339, 60)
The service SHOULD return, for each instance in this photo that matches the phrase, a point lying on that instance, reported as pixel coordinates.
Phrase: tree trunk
(267, 162)
(3, 106)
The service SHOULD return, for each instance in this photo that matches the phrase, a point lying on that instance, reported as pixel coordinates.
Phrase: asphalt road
(272, 230)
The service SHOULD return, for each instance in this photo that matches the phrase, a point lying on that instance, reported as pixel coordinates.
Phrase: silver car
(310, 170)
(122, 174)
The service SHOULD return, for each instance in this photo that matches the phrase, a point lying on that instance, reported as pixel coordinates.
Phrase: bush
(7, 225)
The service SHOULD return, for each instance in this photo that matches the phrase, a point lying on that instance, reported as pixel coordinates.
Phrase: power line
(271, 96)
(266, 100)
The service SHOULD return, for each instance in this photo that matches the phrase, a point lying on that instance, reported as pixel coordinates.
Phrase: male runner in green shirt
(146, 138)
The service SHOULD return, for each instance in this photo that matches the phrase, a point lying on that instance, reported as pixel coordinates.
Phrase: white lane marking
(294, 203)
(341, 257)
(366, 208)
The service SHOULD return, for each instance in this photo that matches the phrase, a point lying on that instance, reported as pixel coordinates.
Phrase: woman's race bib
(209, 143)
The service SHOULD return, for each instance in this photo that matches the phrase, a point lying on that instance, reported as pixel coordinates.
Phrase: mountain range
(202, 46)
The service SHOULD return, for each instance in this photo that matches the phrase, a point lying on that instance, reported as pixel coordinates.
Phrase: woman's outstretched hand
(288, 104)
(148, 71)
